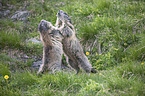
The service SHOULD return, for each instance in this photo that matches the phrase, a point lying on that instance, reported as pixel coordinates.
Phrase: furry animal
(52, 47)
(71, 45)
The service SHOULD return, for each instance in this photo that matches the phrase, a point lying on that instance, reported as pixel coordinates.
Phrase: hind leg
(42, 69)
(74, 65)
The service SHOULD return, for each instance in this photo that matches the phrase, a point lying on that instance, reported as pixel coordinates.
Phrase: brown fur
(71, 45)
(52, 47)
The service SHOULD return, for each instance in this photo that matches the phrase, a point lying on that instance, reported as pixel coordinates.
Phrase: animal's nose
(41, 24)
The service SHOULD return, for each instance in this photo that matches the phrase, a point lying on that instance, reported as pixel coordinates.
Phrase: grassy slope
(117, 25)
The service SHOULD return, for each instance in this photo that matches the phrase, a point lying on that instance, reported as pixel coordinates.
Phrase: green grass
(117, 25)
(126, 79)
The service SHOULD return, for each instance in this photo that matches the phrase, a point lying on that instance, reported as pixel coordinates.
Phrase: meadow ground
(112, 33)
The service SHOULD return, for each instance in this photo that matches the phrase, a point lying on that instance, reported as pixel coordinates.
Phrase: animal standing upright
(71, 45)
(52, 47)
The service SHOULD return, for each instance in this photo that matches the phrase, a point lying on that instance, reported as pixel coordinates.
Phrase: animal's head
(63, 16)
(44, 29)
(44, 26)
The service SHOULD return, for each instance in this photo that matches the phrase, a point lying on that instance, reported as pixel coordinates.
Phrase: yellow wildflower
(87, 53)
(6, 76)
(125, 44)
(142, 63)
(99, 73)
(32, 42)
(96, 54)
(116, 49)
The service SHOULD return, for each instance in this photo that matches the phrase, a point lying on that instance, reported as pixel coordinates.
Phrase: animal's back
(74, 51)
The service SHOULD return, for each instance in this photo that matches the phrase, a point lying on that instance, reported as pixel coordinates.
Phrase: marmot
(71, 45)
(52, 47)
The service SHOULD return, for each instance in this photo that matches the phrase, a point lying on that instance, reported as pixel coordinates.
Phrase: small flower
(116, 49)
(142, 63)
(6, 76)
(32, 42)
(87, 53)
(99, 73)
(96, 54)
(97, 61)
(125, 44)
(0, 75)
(99, 54)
